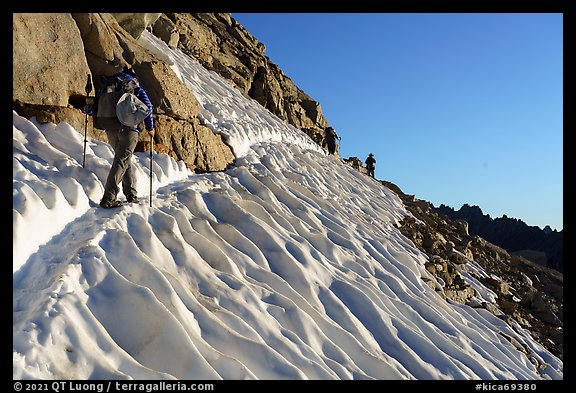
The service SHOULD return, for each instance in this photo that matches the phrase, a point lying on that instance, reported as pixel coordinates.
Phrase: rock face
(164, 29)
(54, 54)
(49, 67)
(539, 245)
(222, 45)
(48, 59)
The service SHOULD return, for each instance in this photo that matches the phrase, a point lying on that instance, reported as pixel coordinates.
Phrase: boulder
(109, 48)
(166, 91)
(164, 29)
(355, 163)
(460, 295)
(499, 286)
(99, 40)
(462, 226)
(196, 145)
(136, 23)
(431, 242)
(49, 67)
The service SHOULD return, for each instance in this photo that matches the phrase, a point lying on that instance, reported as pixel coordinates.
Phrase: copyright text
(110, 386)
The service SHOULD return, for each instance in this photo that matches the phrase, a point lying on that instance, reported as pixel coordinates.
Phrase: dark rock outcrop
(356, 163)
(539, 245)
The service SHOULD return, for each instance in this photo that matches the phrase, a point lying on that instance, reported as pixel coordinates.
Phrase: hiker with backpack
(370, 161)
(329, 139)
(120, 107)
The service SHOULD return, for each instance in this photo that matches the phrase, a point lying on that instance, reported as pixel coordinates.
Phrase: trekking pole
(151, 149)
(88, 91)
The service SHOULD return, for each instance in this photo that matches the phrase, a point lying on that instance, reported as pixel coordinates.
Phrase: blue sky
(456, 108)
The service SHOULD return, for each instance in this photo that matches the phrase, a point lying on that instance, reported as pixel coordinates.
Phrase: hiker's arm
(89, 105)
(149, 121)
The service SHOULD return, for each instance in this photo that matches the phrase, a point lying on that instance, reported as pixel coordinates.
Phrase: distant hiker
(370, 161)
(329, 139)
(120, 107)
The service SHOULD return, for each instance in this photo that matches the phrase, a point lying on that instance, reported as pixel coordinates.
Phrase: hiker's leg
(331, 147)
(111, 187)
(129, 180)
(123, 154)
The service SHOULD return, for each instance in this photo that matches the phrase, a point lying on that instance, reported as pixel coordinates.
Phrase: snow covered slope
(287, 266)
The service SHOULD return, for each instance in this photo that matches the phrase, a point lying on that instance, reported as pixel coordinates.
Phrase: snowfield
(286, 266)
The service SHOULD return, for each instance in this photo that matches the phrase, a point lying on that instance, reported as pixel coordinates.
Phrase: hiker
(123, 138)
(329, 139)
(370, 161)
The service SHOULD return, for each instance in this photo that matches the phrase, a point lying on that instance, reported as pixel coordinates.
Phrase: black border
(566, 7)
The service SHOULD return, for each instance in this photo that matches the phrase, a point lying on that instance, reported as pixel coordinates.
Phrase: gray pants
(123, 144)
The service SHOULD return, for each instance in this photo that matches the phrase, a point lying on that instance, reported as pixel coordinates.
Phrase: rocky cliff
(54, 53)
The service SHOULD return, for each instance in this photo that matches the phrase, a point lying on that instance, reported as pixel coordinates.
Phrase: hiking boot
(133, 199)
(110, 203)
